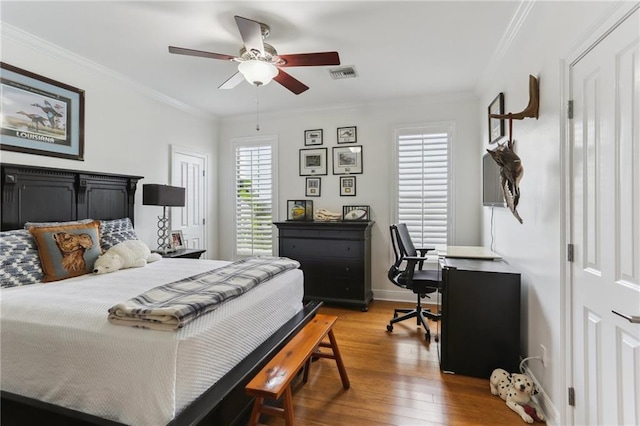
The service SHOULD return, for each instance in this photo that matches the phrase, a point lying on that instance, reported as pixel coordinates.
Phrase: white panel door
(605, 228)
(188, 170)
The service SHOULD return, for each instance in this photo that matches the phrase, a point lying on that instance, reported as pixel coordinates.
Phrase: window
(422, 182)
(254, 197)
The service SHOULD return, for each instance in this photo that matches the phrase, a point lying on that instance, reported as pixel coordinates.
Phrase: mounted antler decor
(532, 109)
(511, 169)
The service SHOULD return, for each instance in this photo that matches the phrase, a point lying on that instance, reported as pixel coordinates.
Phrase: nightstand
(184, 253)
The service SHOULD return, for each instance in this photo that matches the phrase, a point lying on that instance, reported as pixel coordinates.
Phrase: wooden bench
(274, 380)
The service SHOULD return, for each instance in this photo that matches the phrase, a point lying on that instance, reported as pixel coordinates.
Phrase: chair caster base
(389, 327)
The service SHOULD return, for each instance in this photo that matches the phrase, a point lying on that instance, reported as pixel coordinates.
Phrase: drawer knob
(346, 269)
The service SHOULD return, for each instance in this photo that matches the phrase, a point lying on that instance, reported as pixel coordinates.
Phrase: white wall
(128, 129)
(535, 248)
(375, 132)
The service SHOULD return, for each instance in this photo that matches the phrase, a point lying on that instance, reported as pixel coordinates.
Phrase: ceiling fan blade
(310, 59)
(251, 34)
(200, 53)
(232, 81)
(290, 83)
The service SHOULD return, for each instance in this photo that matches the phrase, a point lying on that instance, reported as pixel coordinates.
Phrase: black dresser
(480, 325)
(334, 256)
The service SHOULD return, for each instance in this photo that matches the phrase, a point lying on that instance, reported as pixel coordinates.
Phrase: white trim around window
(422, 190)
(255, 176)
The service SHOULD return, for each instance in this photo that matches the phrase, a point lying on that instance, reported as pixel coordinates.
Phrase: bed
(64, 365)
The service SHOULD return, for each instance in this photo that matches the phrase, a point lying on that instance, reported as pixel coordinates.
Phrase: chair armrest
(413, 260)
(423, 251)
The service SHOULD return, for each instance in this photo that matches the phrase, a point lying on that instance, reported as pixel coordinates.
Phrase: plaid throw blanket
(172, 306)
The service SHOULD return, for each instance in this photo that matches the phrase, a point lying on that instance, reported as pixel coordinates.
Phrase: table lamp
(165, 196)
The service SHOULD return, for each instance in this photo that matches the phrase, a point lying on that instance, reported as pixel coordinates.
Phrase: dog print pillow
(68, 250)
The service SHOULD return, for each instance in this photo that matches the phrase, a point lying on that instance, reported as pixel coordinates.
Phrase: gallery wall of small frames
(346, 161)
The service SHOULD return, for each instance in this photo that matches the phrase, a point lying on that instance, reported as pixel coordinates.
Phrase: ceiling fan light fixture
(258, 73)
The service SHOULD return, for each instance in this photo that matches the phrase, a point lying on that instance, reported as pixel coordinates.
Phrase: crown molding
(510, 34)
(399, 102)
(44, 47)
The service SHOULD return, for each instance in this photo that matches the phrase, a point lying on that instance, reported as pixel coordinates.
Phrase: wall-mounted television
(491, 190)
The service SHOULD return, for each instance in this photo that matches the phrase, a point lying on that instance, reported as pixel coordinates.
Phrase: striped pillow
(19, 261)
(116, 231)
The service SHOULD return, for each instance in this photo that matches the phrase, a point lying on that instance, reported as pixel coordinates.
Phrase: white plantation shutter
(254, 199)
(423, 183)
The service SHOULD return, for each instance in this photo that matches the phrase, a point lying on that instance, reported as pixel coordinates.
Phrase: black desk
(480, 325)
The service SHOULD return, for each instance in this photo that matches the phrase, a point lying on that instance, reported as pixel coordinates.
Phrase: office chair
(412, 277)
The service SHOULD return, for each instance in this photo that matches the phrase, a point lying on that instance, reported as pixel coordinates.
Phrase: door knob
(630, 318)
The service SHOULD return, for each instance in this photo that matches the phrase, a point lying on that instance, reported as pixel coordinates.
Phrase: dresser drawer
(331, 234)
(334, 282)
(303, 249)
(347, 270)
(348, 289)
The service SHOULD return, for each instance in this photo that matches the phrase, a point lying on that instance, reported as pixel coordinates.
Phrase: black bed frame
(39, 194)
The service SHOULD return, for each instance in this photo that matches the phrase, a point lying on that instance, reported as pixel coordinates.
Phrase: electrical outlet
(545, 360)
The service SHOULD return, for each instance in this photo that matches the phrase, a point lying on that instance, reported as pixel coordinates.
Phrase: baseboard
(403, 296)
(543, 401)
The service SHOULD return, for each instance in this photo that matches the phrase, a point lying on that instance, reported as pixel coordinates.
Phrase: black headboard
(40, 194)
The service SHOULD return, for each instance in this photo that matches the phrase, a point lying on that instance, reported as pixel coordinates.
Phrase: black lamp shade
(162, 195)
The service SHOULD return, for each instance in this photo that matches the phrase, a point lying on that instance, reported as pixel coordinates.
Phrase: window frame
(259, 141)
(447, 127)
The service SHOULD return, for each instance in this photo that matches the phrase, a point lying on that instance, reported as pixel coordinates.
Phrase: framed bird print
(347, 160)
(39, 115)
(347, 134)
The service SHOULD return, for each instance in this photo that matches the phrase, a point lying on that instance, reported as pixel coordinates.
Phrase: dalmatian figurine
(516, 390)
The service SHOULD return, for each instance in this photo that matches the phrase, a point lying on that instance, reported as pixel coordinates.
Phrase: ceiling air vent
(343, 72)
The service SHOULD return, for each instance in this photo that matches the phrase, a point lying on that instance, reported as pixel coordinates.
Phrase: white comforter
(57, 345)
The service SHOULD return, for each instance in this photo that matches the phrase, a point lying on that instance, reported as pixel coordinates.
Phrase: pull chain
(257, 110)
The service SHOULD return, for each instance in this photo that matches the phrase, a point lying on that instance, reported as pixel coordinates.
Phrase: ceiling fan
(259, 62)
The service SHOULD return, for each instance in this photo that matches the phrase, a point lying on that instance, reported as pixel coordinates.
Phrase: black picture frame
(355, 213)
(313, 137)
(347, 160)
(300, 210)
(496, 125)
(313, 162)
(347, 186)
(347, 134)
(312, 186)
(40, 116)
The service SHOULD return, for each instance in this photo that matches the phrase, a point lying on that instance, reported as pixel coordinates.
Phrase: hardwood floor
(395, 379)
